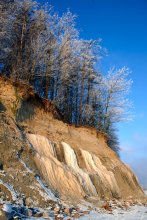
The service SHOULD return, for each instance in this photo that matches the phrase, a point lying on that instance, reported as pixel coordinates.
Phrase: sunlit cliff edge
(43, 158)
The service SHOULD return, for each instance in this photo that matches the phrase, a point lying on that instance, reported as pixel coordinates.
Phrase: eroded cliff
(75, 163)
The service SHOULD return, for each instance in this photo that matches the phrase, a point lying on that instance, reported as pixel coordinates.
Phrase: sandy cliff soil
(36, 149)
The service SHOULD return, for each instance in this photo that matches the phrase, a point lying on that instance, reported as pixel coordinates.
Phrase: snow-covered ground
(134, 213)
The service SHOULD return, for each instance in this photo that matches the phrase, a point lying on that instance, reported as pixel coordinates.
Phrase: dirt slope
(76, 163)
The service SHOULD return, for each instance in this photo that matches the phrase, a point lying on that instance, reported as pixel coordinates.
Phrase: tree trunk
(82, 94)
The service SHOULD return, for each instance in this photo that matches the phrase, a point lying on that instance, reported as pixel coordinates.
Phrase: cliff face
(75, 163)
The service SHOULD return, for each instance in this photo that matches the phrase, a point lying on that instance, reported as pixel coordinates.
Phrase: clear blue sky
(122, 25)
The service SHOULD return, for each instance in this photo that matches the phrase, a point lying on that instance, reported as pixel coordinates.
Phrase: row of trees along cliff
(43, 49)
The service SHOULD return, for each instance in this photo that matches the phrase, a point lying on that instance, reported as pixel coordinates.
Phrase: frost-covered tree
(20, 18)
(90, 51)
(116, 105)
(50, 54)
(6, 8)
(112, 139)
(66, 62)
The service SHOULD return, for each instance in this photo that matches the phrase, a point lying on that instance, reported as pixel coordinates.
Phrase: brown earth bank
(42, 158)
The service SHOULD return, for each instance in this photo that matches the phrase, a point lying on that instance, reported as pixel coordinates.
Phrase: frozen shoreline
(133, 213)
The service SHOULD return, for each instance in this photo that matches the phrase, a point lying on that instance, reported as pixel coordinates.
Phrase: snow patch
(25, 166)
(134, 213)
(49, 193)
(14, 194)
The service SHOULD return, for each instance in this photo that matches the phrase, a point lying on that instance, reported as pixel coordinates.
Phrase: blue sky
(122, 26)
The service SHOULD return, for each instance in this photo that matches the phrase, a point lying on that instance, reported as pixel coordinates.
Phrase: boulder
(30, 212)
(38, 214)
(45, 215)
(106, 206)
